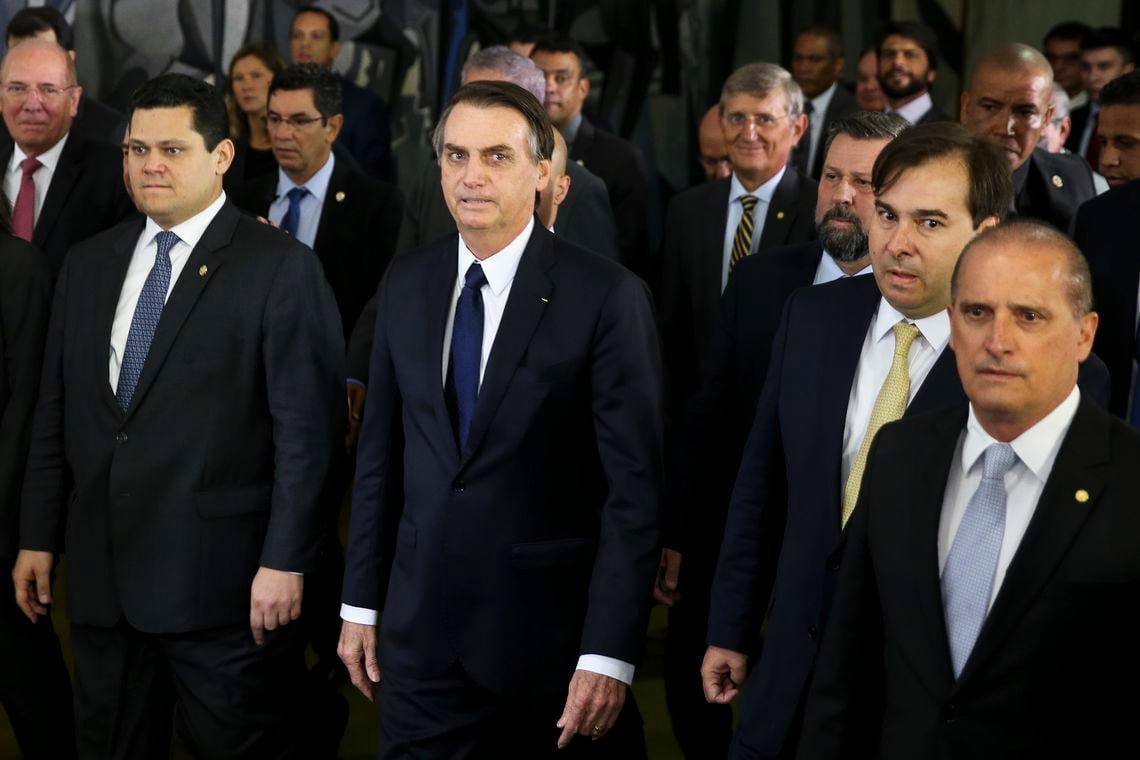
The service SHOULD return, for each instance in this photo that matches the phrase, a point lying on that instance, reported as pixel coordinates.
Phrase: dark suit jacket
(842, 104)
(166, 512)
(366, 132)
(1055, 187)
(25, 303)
(693, 259)
(86, 196)
(356, 236)
(934, 114)
(1106, 230)
(1053, 669)
(1079, 117)
(538, 540)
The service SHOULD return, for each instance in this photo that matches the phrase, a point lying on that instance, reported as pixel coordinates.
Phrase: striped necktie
(742, 242)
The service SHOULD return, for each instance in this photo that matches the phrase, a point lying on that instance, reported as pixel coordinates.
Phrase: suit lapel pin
(544, 300)
(340, 197)
(1057, 181)
(1082, 496)
(779, 214)
(580, 162)
(202, 270)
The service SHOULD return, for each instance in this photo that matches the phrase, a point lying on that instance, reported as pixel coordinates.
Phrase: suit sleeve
(627, 410)
(675, 316)
(303, 353)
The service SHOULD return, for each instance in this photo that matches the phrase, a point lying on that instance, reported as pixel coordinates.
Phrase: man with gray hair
(1057, 131)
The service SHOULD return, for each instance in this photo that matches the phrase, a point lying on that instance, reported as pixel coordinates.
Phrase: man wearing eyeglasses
(63, 188)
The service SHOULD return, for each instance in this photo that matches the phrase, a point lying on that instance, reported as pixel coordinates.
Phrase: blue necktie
(968, 578)
(467, 349)
(1135, 417)
(147, 313)
(292, 216)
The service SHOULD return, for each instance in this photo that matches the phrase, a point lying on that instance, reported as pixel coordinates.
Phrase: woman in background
(251, 71)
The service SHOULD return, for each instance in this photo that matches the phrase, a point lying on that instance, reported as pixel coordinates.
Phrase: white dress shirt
(915, 109)
(763, 195)
(828, 270)
(41, 179)
(1036, 451)
(819, 106)
(311, 205)
(875, 364)
(189, 233)
(499, 270)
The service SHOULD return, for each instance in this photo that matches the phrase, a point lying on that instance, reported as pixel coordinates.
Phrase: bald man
(713, 147)
(1009, 102)
(557, 188)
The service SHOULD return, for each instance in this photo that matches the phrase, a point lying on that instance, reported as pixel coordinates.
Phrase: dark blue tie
(293, 214)
(147, 313)
(467, 349)
(1135, 418)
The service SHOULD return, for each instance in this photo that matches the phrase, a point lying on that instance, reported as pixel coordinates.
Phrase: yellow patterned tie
(889, 406)
(742, 242)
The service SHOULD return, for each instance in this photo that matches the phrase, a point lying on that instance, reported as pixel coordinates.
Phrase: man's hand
(32, 577)
(357, 650)
(722, 673)
(592, 705)
(668, 574)
(274, 599)
(356, 395)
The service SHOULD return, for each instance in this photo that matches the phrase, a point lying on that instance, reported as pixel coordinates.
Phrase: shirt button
(120, 438)
(950, 715)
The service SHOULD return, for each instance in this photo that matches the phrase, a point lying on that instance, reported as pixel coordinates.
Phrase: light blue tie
(292, 218)
(968, 578)
(147, 313)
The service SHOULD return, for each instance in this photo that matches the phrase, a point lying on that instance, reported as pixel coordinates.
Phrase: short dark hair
(323, 83)
(563, 43)
(504, 95)
(1109, 37)
(1122, 91)
(334, 25)
(28, 22)
(1067, 30)
(866, 125)
(922, 35)
(990, 186)
(177, 90)
(834, 41)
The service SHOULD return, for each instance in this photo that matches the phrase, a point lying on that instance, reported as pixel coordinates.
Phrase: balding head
(713, 148)
(558, 187)
(40, 95)
(1009, 100)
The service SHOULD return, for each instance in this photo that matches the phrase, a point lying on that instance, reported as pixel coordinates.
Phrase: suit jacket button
(458, 487)
(950, 714)
(813, 632)
(120, 438)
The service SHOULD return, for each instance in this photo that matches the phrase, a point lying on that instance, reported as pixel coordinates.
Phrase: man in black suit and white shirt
(817, 65)
(908, 63)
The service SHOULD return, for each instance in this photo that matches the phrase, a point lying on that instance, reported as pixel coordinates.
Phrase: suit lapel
(440, 285)
(107, 300)
(332, 218)
(781, 210)
(583, 142)
(63, 180)
(942, 386)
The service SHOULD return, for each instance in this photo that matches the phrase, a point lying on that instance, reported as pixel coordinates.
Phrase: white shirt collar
(821, 101)
(499, 268)
(191, 230)
(935, 329)
(317, 185)
(763, 193)
(1037, 447)
(915, 109)
(829, 270)
(49, 158)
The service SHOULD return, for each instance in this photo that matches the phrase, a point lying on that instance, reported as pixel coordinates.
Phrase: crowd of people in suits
(866, 423)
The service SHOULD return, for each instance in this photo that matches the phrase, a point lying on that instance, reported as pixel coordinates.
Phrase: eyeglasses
(762, 121)
(274, 120)
(19, 90)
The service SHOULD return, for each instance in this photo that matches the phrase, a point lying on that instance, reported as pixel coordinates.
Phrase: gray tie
(968, 578)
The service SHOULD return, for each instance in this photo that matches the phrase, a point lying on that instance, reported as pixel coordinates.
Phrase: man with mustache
(718, 419)
(908, 63)
(1008, 103)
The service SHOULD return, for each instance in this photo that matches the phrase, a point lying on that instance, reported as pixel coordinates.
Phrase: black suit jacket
(366, 132)
(1079, 118)
(537, 541)
(25, 303)
(86, 196)
(356, 236)
(842, 104)
(166, 512)
(934, 114)
(693, 260)
(1053, 670)
(1055, 187)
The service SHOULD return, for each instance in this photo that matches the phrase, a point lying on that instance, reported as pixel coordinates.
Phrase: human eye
(1030, 315)
(929, 224)
(861, 182)
(138, 150)
(736, 119)
(49, 91)
(831, 176)
(500, 157)
(886, 215)
(456, 155)
(172, 150)
(16, 88)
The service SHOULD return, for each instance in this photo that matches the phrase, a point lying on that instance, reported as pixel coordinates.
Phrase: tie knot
(474, 278)
(296, 194)
(30, 165)
(905, 333)
(749, 202)
(165, 241)
(999, 457)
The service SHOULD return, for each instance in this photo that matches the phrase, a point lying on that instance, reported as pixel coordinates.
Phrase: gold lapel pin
(1057, 181)
(544, 300)
(580, 162)
(202, 270)
(1081, 496)
(779, 214)
(340, 197)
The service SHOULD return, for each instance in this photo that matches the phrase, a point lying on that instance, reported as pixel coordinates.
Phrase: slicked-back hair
(322, 82)
(1122, 91)
(866, 125)
(759, 79)
(205, 101)
(563, 43)
(922, 35)
(1037, 236)
(1109, 37)
(540, 132)
(1067, 30)
(834, 41)
(990, 183)
(28, 22)
(334, 25)
(511, 66)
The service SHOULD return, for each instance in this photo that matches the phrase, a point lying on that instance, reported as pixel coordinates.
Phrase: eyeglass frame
(765, 122)
(273, 120)
(46, 91)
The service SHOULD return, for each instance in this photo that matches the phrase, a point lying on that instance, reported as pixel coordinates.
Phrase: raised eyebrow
(451, 148)
(883, 206)
(928, 212)
(498, 149)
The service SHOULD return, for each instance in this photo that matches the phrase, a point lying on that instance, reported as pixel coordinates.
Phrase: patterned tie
(889, 406)
(467, 349)
(1135, 418)
(968, 578)
(24, 212)
(292, 216)
(742, 242)
(147, 312)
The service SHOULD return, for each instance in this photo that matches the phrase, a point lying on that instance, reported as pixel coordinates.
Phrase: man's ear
(334, 126)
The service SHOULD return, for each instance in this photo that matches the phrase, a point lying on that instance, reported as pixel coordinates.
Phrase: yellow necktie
(889, 406)
(742, 242)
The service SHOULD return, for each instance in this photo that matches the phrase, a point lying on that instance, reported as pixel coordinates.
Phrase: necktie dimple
(152, 298)
(24, 212)
(1134, 419)
(467, 349)
(292, 216)
(889, 406)
(742, 241)
(968, 577)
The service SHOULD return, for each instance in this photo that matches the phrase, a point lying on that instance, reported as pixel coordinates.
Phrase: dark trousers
(450, 717)
(228, 697)
(35, 688)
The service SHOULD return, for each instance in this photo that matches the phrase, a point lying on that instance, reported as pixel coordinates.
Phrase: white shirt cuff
(606, 666)
(361, 615)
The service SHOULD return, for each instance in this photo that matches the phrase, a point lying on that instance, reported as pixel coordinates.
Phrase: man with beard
(1008, 103)
(722, 411)
(908, 63)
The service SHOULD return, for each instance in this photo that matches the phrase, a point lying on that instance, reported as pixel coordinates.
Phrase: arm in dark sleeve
(360, 343)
